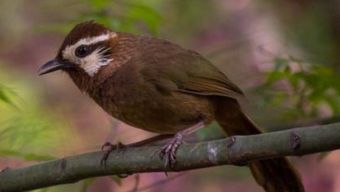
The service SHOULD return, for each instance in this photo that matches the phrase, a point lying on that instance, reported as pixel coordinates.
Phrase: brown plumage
(158, 86)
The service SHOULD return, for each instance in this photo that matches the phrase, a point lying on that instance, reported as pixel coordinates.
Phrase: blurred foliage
(188, 18)
(313, 26)
(27, 131)
(302, 87)
(127, 16)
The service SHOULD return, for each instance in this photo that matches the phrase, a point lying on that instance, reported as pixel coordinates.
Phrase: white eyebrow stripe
(94, 40)
(68, 52)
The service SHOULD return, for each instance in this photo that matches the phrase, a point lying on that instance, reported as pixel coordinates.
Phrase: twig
(71, 169)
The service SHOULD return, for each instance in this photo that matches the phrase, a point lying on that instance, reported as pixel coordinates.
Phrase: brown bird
(158, 86)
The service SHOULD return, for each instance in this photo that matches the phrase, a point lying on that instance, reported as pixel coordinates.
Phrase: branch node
(63, 164)
(212, 153)
(294, 141)
(230, 141)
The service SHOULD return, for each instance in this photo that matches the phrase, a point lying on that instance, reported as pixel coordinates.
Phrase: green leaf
(280, 63)
(117, 180)
(275, 76)
(5, 95)
(87, 183)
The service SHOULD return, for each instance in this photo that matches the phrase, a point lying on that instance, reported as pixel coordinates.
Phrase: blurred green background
(283, 53)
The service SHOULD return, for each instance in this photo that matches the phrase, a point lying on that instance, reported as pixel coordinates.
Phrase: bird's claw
(107, 148)
(123, 175)
(168, 152)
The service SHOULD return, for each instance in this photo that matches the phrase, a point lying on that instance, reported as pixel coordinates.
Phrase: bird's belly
(161, 114)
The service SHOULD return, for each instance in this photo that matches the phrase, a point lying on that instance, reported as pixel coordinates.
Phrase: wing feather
(172, 68)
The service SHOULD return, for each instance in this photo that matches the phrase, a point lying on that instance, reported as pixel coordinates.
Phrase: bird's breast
(144, 107)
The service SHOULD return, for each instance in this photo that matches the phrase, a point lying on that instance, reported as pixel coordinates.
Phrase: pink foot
(168, 152)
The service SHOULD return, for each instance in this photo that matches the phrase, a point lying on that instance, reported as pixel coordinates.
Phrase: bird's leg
(151, 140)
(108, 147)
(168, 152)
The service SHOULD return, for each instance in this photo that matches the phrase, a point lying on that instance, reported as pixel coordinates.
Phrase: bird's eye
(82, 51)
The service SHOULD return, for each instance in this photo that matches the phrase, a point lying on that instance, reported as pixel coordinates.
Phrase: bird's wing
(176, 69)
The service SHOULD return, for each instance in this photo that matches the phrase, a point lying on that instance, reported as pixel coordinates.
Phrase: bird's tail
(274, 175)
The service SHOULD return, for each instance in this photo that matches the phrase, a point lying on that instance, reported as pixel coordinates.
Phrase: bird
(158, 86)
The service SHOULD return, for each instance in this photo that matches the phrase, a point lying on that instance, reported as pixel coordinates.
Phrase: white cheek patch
(91, 63)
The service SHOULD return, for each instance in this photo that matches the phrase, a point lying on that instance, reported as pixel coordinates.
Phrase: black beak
(51, 66)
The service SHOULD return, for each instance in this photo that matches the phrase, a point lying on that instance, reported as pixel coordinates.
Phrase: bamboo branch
(298, 141)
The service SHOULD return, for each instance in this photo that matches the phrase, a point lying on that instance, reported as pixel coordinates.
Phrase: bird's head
(86, 49)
